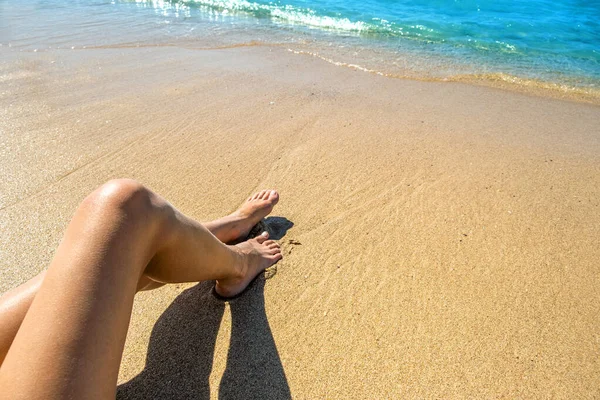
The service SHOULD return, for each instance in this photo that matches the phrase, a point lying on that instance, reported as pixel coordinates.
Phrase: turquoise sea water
(553, 41)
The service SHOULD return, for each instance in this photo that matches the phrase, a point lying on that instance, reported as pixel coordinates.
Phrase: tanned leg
(71, 340)
(15, 303)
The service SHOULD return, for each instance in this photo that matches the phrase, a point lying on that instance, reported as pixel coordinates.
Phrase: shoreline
(445, 234)
(497, 80)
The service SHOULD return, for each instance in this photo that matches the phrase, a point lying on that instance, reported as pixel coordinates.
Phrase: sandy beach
(440, 239)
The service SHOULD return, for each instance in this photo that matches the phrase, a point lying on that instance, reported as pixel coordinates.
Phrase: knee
(124, 197)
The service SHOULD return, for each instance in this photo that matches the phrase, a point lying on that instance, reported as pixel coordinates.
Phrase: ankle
(237, 227)
(240, 264)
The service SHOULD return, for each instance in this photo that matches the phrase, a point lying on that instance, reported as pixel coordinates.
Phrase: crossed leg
(70, 342)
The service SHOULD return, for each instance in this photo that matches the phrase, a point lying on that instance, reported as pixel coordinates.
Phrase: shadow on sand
(182, 344)
(277, 227)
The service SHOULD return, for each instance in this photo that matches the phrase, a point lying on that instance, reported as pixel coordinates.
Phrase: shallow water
(556, 42)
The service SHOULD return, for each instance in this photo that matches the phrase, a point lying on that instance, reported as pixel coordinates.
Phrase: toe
(264, 194)
(262, 237)
(273, 196)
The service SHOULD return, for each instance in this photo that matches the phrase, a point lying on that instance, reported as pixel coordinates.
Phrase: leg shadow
(181, 349)
(254, 369)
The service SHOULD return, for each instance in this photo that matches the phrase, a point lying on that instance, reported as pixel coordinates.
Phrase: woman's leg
(15, 303)
(71, 340)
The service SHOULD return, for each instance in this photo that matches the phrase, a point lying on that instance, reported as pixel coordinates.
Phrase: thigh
(71, 340)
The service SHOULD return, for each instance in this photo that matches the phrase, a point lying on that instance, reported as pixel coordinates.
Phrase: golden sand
(444, 240)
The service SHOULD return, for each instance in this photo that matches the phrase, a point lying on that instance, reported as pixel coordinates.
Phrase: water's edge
(500, 81)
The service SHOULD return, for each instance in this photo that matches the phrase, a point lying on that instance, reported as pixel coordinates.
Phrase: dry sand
(444, 240)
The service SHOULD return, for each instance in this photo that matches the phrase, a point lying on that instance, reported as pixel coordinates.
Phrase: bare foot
(253, 210)
(255, 256)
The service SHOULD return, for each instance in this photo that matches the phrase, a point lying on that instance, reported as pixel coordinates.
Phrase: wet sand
(444, 239)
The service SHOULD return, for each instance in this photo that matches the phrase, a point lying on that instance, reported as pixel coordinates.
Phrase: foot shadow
(180, 353)
(276, 226)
